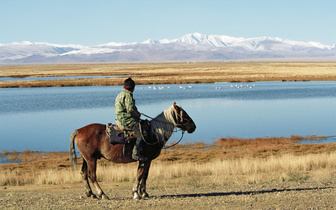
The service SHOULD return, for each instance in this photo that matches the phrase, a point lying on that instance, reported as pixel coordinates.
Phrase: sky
(94, 22)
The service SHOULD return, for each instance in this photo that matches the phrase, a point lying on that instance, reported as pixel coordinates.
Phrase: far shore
(168, 73)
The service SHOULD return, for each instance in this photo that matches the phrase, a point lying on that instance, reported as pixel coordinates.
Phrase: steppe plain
(165, 73)
(269, 173)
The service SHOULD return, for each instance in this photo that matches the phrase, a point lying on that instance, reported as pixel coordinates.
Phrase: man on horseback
(128, 115)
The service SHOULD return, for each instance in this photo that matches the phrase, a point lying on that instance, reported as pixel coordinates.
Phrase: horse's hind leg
(84, 173)
(92, 166)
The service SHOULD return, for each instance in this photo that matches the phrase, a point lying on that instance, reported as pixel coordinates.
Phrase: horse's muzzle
(191, 127)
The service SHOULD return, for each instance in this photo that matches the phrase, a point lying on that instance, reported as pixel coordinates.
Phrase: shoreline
(18, 157)
(168, 73)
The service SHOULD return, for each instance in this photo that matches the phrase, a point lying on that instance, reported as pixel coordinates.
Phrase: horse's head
(182, 119)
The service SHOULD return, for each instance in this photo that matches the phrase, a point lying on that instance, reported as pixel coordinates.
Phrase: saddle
(118, 135)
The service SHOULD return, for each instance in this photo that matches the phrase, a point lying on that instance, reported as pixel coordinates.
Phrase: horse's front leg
(140, 186)
(142, 189)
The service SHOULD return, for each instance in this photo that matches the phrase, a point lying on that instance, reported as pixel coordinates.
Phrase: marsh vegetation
(168, 73)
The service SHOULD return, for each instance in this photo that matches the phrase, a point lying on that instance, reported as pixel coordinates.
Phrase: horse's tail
(72, 152)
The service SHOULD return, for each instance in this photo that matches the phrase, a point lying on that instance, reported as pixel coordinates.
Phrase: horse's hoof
(105, 197)
(136, 196)
(93, 196)
(145, 196)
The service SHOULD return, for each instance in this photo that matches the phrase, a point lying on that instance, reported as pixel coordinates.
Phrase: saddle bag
(116, 135)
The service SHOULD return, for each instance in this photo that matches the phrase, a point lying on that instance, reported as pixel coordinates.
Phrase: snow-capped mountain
(191, 47)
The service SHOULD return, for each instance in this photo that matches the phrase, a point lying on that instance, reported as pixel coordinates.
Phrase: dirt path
(287, 196)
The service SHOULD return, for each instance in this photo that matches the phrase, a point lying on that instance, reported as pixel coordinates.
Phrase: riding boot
(136, 154)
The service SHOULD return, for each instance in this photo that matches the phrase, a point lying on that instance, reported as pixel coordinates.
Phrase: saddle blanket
(116, 136)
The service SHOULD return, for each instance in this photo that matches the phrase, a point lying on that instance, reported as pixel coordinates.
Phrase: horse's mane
(163, 125)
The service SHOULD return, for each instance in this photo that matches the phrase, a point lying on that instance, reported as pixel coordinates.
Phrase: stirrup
(137, 156)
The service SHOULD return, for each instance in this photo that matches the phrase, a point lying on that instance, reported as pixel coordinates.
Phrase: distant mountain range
(190, 47)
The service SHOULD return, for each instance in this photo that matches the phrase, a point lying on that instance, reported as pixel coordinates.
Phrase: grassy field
(229, 157)
(231, 173)
(173, 73)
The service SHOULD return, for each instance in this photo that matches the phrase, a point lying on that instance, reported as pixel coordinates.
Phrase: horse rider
(128, 116)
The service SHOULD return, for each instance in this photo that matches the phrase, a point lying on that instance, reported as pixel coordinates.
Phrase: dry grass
(295, 138)
(265, 173)
(284, 168)
(231, 160)
(173, 73)
(257, 142)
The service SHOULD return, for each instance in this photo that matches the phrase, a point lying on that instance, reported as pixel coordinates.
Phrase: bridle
(182, 121)
(179, 115)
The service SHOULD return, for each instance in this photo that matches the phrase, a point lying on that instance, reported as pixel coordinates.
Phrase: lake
(43, 118)
(6, 79)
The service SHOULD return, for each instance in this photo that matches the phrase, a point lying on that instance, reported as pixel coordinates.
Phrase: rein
(157, 120)
(169, 123)
(176, 142)
(180, 115)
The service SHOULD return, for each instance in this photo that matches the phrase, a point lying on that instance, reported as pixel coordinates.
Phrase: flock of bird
(239, 86)
(189, 87)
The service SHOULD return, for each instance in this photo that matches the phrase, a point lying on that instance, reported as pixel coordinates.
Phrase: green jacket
(126, 111)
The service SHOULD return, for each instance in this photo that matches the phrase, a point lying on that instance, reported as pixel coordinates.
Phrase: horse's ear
(175, 106)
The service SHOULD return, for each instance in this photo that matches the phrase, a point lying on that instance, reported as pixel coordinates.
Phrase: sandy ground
(286, 196)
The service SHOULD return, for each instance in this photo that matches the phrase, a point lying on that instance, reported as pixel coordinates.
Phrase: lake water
(56, 78)
(43, 118)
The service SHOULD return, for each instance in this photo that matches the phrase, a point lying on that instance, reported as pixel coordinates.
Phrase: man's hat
(129, 83)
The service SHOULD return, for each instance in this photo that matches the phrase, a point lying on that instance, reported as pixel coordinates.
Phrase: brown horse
(93, 143)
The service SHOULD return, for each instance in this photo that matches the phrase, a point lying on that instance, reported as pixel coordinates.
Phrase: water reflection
(43, 118)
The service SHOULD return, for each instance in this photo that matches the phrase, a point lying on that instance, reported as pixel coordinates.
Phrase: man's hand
(136, 114)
